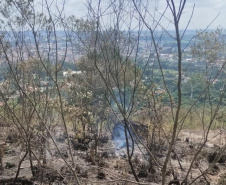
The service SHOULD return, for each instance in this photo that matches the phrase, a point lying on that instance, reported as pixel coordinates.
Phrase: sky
(204, 13)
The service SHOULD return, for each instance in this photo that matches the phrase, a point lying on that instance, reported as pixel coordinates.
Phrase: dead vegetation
(110, 165)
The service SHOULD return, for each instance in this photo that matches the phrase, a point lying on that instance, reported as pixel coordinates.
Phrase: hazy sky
(205, 12)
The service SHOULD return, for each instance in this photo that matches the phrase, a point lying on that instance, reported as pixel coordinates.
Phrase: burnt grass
(109, 164)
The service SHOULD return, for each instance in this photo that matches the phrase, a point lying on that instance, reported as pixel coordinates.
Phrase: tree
(141, 10)
(176, 11)
(24, 26)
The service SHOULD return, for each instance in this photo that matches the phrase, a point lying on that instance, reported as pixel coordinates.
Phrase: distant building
(189, 60)
(70, 73)
(159, 91)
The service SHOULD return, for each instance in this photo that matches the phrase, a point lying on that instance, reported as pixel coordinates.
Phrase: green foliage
(208, 45)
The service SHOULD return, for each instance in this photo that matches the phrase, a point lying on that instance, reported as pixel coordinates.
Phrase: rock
(12, 138)
(143, 173)
(209, 145)
(187, 140)
(2, 143)
(136, 160)
(112, 153)
(154, 178)
(65, 170)
(90, 159)
(212, 156)
(85, 140)
(174, 156)
(9, 165)
(104, 155)
(11, 152)
(215, 170)
(92, 145)
(168, 172)
(101, 163)
(174, 182)
(63, 153)
(159, 155)
(101, 175)
(103, 139)
(222, 159)
(78, 168)
(46, 174)
(78, 146)
(144, 164)
(151, 170)
(60, 139)
(12, 181)
(84, 174)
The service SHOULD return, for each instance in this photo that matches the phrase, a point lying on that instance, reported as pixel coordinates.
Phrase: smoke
(119, 137)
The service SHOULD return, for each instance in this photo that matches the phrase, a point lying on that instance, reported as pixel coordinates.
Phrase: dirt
(110, 166)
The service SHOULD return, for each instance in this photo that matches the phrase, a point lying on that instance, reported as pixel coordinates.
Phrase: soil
(110, 166)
